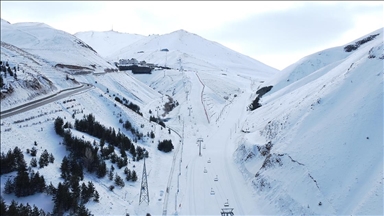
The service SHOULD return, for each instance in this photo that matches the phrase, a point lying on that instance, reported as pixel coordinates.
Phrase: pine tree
(128, 176)
(82, 211)
(13, 209)
(84, 193)
(33, 162)
(22, 181)
(8, 187)
(50, 189)
(110, 175)
(59, 126)
(51, 158)
(3, 207)
(96, 196)
(91, 187)
(102, 169)
(33, 151)
(61, 200)
(65, 168)
(134, 176)
(35, 211)
(119, 181)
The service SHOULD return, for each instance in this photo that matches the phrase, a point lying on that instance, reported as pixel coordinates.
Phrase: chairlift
(212, 191)
(226, 204)
(209, 160)
(216, 179)
(205, 170)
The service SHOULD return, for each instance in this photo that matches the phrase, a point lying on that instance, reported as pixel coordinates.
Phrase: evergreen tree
(24, 209)
(13, 208)
(132, 150)
(75, 190)
(37, 183)
(44, 159)
(165, 146)
(10, 71)
(1, 82)
(33, 151)
(119, 181)
(35, 211)
(83, 211)
(61, 200)
(110, 174)
(33, 162)
(128, 176)
(85, 195)
(22, 181)
(51, 158)
(96, 196)
(65, 168)
(91, 187)
(59, 126)
(50, 189)
(134, 176)
(102, 143)
(3, 207)
(8, 187)
(102, 170)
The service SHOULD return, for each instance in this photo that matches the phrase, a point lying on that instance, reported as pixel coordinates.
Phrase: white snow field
(323, 119)
(106, 43)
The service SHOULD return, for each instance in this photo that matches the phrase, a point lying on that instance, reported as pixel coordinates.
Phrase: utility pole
(189, 108)
(144, 194)
(199, 141)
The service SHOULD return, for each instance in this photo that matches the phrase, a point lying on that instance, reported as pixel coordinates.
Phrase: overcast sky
(275, 33)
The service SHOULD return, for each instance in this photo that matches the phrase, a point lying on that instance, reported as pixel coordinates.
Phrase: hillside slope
(57, 47)
(107, 42)
(315, 146)
(188, 51)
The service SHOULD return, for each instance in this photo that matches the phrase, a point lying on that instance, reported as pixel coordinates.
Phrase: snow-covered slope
(192, 52)
(313, 66)
(57, 47)
(325, 128)
(107, 42)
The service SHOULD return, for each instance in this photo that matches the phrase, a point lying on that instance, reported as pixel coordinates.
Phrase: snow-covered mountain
(315, 145)
(108, 42)
(182, 49)
(323, 120)
(57, 47)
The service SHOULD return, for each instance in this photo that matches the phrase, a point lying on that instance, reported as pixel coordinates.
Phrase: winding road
(46, 100)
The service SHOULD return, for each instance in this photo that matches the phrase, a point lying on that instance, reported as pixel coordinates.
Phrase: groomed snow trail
(199, 193)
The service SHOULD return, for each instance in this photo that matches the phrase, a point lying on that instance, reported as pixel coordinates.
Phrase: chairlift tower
(179, 61)
(199, 141)
(144, 194)
(227, 211)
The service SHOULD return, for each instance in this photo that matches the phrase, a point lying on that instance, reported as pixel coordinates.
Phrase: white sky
(275, 33)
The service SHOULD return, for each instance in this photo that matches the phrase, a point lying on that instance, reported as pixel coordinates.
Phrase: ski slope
(323, 118)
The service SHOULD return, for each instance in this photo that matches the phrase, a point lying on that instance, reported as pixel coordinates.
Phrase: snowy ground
(323, 117)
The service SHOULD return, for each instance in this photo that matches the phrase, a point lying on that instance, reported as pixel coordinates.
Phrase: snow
(194, 53)
(105, 43)
(55, 46)
(325, 126)
(326, 121)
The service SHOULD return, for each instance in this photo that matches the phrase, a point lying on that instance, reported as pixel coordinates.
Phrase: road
(43, 101)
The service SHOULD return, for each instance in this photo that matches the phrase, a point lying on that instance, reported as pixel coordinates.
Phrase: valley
(311, 144)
